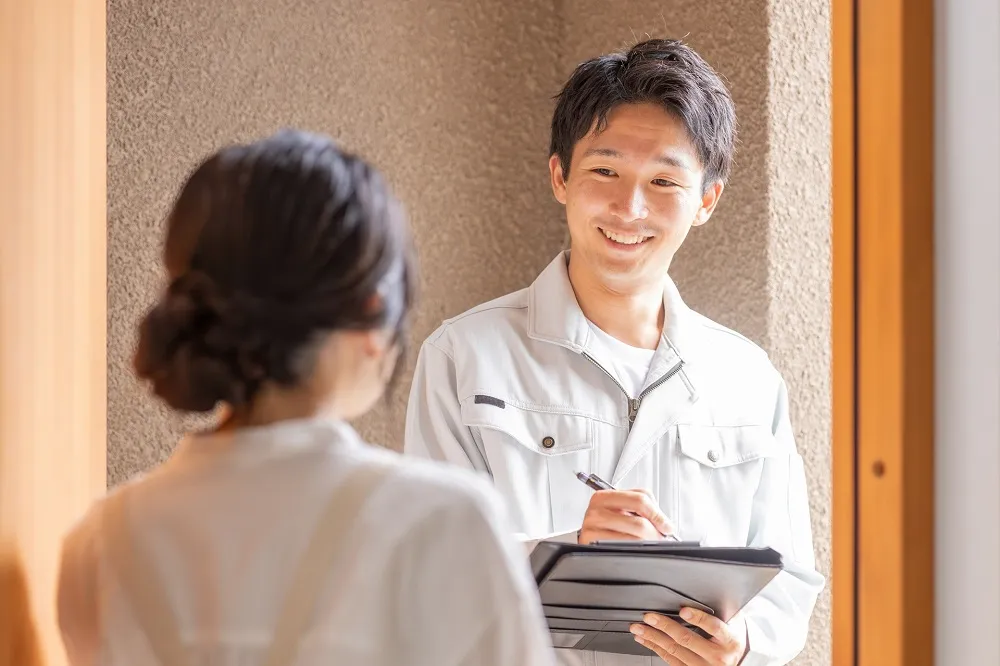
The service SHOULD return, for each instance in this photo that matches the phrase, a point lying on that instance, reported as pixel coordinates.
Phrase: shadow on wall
(18, 637)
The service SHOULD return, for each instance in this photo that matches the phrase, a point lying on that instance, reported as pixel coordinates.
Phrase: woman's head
(291, 273)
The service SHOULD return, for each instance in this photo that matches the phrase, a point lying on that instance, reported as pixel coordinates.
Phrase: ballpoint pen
(597, 483)
(594, 481)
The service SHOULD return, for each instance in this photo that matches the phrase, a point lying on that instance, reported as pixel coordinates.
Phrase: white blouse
(226, 520)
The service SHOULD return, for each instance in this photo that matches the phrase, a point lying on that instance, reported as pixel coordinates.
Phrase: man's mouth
(625, 239)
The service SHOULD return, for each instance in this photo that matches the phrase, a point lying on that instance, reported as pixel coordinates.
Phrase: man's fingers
(639, 502)
(660, 652)
(636, 526)
(683, 636)
(666, 647)
(715, 627)
(632, 525)
(648, 509)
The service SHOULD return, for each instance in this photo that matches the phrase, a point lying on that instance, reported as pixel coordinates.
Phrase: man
(600, 367)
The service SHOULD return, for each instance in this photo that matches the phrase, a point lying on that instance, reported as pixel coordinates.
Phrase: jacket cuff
(755, 641)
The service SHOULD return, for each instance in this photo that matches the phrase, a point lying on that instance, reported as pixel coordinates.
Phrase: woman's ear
(374, 343)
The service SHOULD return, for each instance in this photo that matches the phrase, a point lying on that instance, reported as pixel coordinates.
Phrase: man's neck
(634, 316)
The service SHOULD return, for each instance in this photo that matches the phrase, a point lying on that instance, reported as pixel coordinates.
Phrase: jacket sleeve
(435, 430)
(434, 427)
(778, 618)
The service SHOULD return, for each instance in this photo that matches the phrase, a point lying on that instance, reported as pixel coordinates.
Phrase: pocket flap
(722, 446)
(547, 433)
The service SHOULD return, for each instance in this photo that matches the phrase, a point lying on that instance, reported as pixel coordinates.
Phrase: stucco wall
(798, 257)
(457, 116)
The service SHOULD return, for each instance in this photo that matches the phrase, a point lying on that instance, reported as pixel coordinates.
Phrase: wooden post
(895, 319)
(52, 293)
(844, 329)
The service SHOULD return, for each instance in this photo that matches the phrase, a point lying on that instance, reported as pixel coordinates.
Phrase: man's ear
(558, 179)
(709, 200)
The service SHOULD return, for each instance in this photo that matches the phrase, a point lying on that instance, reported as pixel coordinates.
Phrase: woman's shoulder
(435, 487)
(82, 540)
(423, 495)
(456, 537)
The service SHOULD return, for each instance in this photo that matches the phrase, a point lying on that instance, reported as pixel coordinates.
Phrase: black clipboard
(591, 593)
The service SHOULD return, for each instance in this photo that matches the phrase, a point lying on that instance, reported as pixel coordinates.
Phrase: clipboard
(591, 593)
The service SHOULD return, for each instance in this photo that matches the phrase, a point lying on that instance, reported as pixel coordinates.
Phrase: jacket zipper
(634, 403)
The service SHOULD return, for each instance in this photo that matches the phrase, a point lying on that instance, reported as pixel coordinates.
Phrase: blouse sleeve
(470, 578)
(77, 605)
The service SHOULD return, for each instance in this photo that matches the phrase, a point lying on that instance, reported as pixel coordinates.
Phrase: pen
(597, 483)
(594, 481)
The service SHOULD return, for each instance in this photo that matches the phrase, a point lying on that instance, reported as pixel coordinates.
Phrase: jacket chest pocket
(533, 457)
(719, 472)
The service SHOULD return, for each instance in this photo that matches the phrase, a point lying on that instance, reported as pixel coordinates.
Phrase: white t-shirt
(630, 365)
(225, 520)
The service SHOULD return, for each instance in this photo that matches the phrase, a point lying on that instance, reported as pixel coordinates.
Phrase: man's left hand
(679, 646)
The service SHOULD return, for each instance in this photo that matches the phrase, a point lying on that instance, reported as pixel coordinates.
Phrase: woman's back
(291, 277)
(224, 524)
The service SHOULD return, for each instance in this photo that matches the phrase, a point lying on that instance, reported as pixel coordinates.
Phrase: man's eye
(604, 172)
(660, 182)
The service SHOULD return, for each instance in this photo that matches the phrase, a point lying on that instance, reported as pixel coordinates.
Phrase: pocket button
(548, 442)
(713, 455)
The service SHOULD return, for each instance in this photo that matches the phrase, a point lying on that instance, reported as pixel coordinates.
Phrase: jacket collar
(554, 314)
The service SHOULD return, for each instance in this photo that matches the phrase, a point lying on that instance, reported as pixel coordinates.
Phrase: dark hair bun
(191, 353)
(268, 245)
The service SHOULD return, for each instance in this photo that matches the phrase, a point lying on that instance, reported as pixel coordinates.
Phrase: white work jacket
(518, 389)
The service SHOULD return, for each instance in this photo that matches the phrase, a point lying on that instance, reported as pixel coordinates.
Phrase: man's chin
(618, 272)
(633, 264)
(624, 277)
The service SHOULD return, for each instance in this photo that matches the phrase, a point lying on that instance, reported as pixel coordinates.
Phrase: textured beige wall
(457, 115)
(798, 256)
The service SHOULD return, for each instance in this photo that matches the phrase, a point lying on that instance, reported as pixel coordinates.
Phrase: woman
(279, 537)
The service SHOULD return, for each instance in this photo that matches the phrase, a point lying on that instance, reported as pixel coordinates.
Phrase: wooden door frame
(843, 329)
(53, 299)
(883, 322)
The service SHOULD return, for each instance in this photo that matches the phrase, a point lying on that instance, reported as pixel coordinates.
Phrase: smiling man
(599, 366)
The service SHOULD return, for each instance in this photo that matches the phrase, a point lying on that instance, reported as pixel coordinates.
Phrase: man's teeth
(624, 240)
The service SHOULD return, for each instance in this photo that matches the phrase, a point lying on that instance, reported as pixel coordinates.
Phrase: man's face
(632, 194)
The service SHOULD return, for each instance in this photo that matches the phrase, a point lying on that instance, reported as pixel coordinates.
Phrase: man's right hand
(623, 515)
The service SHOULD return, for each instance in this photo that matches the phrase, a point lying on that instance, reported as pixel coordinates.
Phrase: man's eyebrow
(667, 159)
(602, 152)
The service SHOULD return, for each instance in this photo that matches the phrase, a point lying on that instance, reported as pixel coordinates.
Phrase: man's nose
(631, 206)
